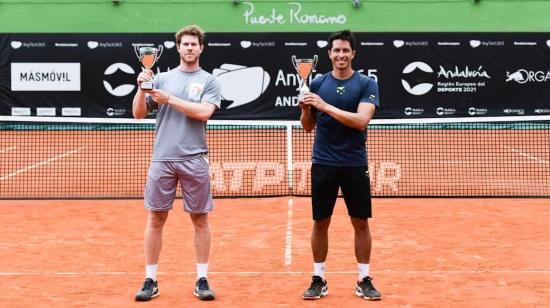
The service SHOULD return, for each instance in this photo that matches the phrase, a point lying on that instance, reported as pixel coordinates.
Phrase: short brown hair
(193, 30)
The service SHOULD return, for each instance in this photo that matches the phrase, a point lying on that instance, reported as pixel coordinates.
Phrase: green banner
(274, 16)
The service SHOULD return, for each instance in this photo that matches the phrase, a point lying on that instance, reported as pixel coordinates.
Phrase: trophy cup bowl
(304, 67)
(148, 56)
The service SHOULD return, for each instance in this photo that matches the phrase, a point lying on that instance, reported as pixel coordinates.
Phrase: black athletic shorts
(355, 185)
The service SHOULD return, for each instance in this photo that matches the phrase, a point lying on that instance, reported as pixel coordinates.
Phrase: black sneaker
(366, 290)
(318, 288)
(202, 290)
(149, 290)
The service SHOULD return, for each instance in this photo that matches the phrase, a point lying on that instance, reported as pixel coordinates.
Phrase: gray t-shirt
(179, 137)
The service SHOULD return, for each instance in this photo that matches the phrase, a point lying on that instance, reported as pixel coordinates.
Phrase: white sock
(202, 270)
(363, 270)
(319, 270)
(151, 271)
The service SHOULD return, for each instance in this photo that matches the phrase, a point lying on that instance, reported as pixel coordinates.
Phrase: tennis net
(70, 158)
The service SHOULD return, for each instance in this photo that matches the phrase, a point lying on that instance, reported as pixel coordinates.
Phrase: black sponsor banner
(419, 74)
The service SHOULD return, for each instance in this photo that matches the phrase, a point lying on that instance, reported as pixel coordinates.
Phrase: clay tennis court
(426, 253)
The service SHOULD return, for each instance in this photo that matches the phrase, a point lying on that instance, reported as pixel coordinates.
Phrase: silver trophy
(148, 56)
(304, 67)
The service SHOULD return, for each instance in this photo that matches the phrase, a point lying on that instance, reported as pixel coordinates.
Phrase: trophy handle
(136, 50)
(315, 58)
(294, 62)
(157, 56)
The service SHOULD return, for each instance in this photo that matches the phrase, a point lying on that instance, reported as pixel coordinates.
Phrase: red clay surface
(427, 253)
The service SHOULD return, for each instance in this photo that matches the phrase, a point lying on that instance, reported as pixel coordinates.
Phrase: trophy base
(146, 85)
(303, 90)
(301, 96)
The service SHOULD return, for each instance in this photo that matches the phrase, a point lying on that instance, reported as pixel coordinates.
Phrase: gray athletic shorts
(193, 176)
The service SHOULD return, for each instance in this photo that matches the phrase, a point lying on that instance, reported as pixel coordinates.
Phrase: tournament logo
(121, 90)
(445, 111)
(473, 111)
(413, 111)
(398, 43)
(475, 43)
(449, 80)
(115, 111)
(169, 44)
(16, 44)
(246, 44)
(322, 44)
(522, 76)
(93, 44)
(241, 84)
(421, 88)
(516, 76)
(518, 111)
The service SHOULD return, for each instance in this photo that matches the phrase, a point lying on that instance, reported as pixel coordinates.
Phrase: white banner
(45, 76)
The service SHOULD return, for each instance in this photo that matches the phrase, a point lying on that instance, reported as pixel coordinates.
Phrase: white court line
(525, 154)
(47, 161)
(288, 242)
(7, 149)
(381, 272)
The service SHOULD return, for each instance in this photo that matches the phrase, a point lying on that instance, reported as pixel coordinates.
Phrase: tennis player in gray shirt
(185, 98)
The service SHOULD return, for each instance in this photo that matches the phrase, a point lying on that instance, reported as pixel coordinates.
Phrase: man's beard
(195, 59)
